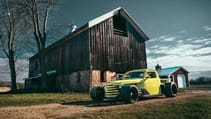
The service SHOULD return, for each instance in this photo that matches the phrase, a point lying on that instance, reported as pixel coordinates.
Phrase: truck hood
(126, 82)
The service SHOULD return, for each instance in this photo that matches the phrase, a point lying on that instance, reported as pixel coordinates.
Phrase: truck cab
(134, 84)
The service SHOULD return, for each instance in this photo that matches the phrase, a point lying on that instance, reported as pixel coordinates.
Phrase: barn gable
(122, 12)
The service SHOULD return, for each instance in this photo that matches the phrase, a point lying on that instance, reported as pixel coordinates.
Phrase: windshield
(137, 74)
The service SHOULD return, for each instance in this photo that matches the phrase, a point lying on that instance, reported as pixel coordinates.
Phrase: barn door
(181, 81)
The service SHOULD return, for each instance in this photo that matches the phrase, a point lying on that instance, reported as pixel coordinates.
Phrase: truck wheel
(132, 95)
(170, 90)
(97, 93)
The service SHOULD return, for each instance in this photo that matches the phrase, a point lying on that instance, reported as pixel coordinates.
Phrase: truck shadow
(107, 102)
(95, 104)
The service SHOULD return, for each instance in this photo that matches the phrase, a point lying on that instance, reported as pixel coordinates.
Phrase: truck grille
(111, 91)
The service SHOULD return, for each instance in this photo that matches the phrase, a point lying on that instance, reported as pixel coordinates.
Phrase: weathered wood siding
(70, 56)
(74, 54)
(67, 57)
(115, 52)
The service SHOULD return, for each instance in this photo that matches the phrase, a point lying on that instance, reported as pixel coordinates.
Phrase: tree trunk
(43, 69)
(12, 70)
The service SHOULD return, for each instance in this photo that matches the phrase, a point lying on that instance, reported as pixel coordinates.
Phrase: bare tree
(39, 13)
(12, 25)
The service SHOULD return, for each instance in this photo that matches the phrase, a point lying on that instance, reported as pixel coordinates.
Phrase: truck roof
(137, 70)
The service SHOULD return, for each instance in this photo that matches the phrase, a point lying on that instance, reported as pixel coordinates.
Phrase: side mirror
(147, 76)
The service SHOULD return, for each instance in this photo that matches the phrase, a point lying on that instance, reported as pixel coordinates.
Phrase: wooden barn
(178, 74)
(92, 55)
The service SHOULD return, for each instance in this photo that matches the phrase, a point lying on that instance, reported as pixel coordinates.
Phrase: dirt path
(4, 89)
(72, 109)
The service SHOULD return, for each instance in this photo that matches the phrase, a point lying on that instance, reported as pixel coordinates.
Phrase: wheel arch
(97, 93)
(125, 93)
(170, 89)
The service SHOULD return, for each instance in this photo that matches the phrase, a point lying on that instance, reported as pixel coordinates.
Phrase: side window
(151, 74)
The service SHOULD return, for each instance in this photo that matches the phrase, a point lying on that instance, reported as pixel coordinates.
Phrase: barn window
(119, 25)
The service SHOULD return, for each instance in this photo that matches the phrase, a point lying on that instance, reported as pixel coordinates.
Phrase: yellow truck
(133, 85)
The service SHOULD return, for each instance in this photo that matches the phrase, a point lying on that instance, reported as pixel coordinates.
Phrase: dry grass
(40, 98)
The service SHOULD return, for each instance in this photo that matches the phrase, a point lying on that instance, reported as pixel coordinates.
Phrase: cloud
(169, 39)
(166, 38)
(190, 52)
(206, 28)
(163, 38)
(148, 51)
(188, 61)
(202, 40)
(180, 41)
(189, 39)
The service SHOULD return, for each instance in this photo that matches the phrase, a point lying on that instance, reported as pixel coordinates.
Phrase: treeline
(201, 80)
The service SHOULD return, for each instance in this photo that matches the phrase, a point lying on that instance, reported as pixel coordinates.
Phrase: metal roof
(103, 17)
(170, 70)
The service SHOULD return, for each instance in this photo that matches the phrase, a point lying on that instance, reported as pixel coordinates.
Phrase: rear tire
(170, 90)
(97, 93)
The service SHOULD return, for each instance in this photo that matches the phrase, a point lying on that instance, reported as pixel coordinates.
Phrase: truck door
(152, 83)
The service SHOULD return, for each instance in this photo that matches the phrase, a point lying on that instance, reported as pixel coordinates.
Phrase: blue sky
(179, 30)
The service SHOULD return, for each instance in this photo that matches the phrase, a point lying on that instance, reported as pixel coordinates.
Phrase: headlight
(120, 86)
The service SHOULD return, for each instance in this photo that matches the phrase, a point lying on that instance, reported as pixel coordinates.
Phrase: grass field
(199, 108)
(40, 98)
(193, 108)
(24, 99)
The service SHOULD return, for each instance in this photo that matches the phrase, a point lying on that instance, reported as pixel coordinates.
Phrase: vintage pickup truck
(133, 85)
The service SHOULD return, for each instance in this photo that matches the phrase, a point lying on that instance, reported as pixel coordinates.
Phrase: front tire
(97, 93)
(129, 94)
(170, 90)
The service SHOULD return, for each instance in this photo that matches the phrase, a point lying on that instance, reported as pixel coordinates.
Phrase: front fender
(125, 90)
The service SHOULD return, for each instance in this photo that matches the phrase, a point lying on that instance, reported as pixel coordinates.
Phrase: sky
(179, 30)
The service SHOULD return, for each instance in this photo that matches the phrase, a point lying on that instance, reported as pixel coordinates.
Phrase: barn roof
(102, 18)
(169, 70)
(96, 21)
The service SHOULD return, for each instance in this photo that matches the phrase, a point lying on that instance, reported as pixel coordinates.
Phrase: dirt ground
(4, 89)
(73, 109)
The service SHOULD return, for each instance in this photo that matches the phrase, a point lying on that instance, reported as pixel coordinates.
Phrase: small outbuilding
(178, 74)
